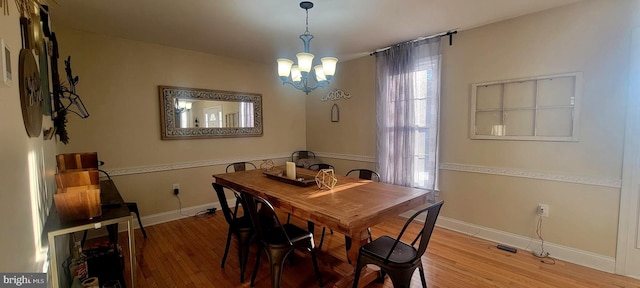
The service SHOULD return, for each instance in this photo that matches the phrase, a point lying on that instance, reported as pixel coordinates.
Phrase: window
(540, 108)
(407, 107)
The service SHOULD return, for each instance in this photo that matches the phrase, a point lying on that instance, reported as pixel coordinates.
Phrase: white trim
(361, 158)
(188, 165)
(628, 227)
(172, 215)
(576, 256)
(564, 253)
(550, 176)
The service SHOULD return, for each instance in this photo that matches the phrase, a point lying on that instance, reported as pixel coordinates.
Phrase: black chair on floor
(277, 240)
(302, 154)
(319, 166)
(132, 206)
(239, 166)
(239, 226)
(397, 258)
(365, 174)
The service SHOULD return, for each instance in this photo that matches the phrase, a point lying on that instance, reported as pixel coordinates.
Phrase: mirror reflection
(200, 113)
(213, 114)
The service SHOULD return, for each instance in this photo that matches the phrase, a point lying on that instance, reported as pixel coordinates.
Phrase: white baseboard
(576, 256)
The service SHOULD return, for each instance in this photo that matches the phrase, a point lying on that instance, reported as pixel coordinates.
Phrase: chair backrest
(302, 154)
(319, 166)
(259, 208)
(366, 174)
(222, 198)
(425, 233)
(239, 166)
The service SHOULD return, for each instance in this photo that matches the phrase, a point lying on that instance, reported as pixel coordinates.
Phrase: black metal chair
(319, 166)
(397, 258)
(132, 206)
(302, 154)
(278, 240)
(239, 166)
(365, 174)
(241, 227)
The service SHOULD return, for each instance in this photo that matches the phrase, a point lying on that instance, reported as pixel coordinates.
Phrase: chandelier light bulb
(296, 76)
(284, 67)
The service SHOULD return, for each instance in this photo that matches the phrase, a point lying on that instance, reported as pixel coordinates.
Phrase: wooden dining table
(349, 208)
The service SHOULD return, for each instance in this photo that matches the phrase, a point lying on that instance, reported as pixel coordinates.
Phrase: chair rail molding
(195, 164)
(539, 175)
(361, 158)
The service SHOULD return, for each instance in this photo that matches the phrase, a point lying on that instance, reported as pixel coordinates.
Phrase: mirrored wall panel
(188, 113)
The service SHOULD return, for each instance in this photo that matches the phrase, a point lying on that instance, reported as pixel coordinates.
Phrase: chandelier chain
(307, 29)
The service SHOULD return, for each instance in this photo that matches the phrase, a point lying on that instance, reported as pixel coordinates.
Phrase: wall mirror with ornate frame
(189, 113)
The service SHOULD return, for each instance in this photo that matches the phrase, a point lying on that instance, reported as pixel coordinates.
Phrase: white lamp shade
(182, 104)
(329, 65)
(319, 73)
(296, 76)
(189, 105)
(284, 67)
(305, 61)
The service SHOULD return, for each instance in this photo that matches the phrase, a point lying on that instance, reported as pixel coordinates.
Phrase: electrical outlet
(543, 209)
(176, 189)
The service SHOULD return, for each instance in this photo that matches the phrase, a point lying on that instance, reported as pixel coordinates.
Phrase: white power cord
(542, 253)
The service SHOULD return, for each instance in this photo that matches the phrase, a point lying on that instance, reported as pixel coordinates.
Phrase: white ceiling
(263, 30)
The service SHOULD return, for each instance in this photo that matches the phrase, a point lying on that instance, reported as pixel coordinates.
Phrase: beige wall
(118, 84)
(591, 37)
(355, 133)
(26, 169)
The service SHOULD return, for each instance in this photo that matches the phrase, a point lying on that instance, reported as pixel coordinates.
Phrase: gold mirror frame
(169, 95)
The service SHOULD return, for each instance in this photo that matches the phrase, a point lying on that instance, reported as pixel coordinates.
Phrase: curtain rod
(442, 34)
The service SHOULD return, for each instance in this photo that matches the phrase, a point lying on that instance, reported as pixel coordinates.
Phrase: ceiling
(263, 30)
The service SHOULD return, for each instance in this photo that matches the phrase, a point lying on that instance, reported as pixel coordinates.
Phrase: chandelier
(298, 75)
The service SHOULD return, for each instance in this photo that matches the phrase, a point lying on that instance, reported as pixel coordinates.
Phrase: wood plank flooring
(188, 252)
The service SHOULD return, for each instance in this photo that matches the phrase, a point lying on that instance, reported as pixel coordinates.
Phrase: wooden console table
(114, 211)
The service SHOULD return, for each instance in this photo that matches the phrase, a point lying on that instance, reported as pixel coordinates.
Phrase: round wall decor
(30, 93)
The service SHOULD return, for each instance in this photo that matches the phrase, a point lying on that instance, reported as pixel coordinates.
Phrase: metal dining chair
(396, 258)
(302, 154)
(320, 166)
(365, 174)
(241, 227)
(278, 241)
(239, 166)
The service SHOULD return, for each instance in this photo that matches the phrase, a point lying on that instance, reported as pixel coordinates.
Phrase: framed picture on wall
(6, 63)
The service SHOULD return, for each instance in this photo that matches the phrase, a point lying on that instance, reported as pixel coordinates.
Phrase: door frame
(628, 220)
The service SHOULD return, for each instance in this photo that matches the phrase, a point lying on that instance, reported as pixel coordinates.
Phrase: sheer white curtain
(407, 107)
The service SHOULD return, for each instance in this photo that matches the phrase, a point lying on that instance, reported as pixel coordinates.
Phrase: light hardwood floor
(187, 253)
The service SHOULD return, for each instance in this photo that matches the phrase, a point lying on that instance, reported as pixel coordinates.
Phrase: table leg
(132, 251)
(369, 273)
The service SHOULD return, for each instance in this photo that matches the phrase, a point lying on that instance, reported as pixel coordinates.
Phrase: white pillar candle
(291, 170)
